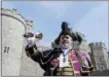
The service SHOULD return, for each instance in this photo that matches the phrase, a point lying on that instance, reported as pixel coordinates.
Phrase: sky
(87, 17)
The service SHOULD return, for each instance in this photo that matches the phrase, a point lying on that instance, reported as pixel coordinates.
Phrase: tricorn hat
(66, 31)
(79, 37)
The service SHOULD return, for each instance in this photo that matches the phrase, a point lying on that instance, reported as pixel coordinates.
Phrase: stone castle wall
(13, 27)
(99, 56)
(14, 59)
(28, 66)
(0, 43)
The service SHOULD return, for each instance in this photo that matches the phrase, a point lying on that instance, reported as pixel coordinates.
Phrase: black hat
(79, 38)
(65, 31)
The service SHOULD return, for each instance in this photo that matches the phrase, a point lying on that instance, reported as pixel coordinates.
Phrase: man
(62, 61)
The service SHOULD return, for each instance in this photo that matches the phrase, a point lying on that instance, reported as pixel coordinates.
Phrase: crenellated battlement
(13, 13)
(29, 22)
(97, 44)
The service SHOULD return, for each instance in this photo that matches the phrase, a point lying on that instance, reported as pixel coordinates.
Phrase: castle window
(6, 50)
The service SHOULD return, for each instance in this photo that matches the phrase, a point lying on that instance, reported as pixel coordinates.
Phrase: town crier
(63, 60)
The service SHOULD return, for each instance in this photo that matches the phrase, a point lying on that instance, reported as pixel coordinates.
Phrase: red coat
(48, 61)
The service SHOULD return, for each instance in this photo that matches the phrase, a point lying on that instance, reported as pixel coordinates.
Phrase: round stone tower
(28, 66)
(99, 55)
(13, 27)
(0, 43)
(29, 24)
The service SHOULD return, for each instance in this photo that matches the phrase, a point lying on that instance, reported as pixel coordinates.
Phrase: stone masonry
(14, 59)
(99, 56)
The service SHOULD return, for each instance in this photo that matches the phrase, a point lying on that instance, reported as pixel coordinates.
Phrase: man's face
(66, 41)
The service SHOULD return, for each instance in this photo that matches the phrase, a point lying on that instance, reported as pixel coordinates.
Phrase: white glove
(31, 41)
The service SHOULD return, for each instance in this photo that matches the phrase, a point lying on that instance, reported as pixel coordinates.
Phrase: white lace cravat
(61, 62)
